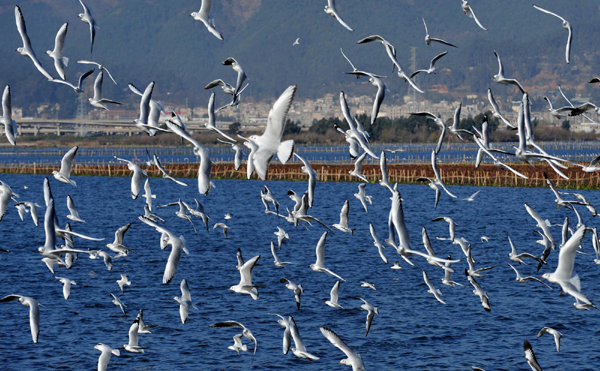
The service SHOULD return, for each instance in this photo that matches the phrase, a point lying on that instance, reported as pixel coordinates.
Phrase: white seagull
(34, 313)
(27, 50)
(319, 265)
(185, 301)
(499, 77)
(97, 100)
(567, 26)
(79, 88)
(297, 289)
(378, 244)
(333, 296)
(100, 67)
(530, 356)
(10, 125)
(136, 181)
(86, 17)
(73, 214)
(132, 346)
(245, 285)
(204, 16)
(123, 281)
(245, 331)
(119, 303)
(164, 171)
(429, 39)
(60, 61)
(332, 11)
(469, 12)
(557, 335)
(278, 263)
(432, 290)
(432, 66)
(66, 164)
(343, 224)
(105, 355)
(363, 197)
(299, 349)
(496, 110)
(353, 359)
(522, 279)
(287, 333)
(66, 286)
(371, 310)
(269, 143)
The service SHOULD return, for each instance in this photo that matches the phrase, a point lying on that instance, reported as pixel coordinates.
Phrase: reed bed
(452, 173)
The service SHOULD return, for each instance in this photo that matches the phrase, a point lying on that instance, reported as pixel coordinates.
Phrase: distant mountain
(155, 40)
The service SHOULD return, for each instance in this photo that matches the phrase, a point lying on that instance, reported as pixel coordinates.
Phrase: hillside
(144, 40)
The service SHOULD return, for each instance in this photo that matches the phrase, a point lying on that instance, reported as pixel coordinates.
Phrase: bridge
(85, 127)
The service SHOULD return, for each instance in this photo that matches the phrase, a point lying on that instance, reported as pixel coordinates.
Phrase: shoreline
(452, 174)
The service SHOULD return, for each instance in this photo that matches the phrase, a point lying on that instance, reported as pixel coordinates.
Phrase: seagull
(487, 151)
(79, 88)
(118, 302)
(447, 280)
(593, 167)
(132, 346)
(530, 356)
(332, 11)
(182, 212)
(496, 110)
(269, 143)
(185, 301)
(74, 215)
(485, 300)
(312, 179)
(100, 67)
(224, 227)
(437, 182)
(34, 313)
(6, 194)
(471, 197)
(86, 17)
(177, 246)
(319, 265)
(97, 100)
(245, 331)
(439, 122)
(245, 285)
(522, 279)
(542, 224)
(297, 289)
(384, 181)
(267, 196)
(117, 245)
(431, 258)
(353, 359)
(432, 290)
(368, 285)
(204, 16)
(378, 244)
(469, 12)
(567, 26)
(164, 172)
(10, 125)
(66, 164)
(386, 44)
(210, 124)
(287, 333)
(357, 172)
(278, 263)
(429, 39)
(237, 157)
(371, 310)
(432, 67)
(396, 265)
(557, 335)
(362, 197)
(299, 214)
(354, 69)
(343, 224)
(204, 182)
(146, 109)
(453, 129)
(281, 236)
(559, 200)
(105, 356)
(199, 212)
(143, 328)
(299, 349)
(60, 61)
(94, 254)
(66, 286)
(136, 182)
(27, 50)
(241, 77)
(353, 132)
(563, 275)
(518, 258)
(297, 42)
(499, 77)
(123, 281)
(379, 96)
(333, 296)
(32, 210)
(237, 344)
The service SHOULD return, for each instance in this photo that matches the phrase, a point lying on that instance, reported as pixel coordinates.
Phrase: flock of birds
(262, 149)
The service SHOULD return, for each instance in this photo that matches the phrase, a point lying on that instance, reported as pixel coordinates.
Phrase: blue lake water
(413, 331)
(408, 153)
